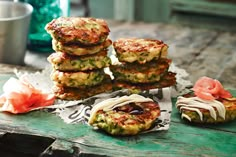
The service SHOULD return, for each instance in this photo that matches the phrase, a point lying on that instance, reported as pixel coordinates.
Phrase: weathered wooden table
(40, 133)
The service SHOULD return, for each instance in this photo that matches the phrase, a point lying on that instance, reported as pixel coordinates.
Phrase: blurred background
(220, 14)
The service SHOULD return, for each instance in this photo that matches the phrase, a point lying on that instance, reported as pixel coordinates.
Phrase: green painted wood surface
(182, 139)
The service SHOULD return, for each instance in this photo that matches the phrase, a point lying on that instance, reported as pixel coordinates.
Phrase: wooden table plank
(182, 139)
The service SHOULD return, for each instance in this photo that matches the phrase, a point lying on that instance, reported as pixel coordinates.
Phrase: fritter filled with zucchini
(167, 80)
(197, 110)
(72, 93)
(78, 78)
(127, 115)
(78, 50)
(65, 62)
(78, 30)
(139, 50)
(141, 73)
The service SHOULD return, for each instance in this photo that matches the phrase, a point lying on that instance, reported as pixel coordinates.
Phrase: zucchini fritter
(78, 79)
(78, 50)
(129, 119)
(65, 62)
(139, 50)
(71, 93)
(137, 73)
(197, 110)
(166, 81)
(79, 30)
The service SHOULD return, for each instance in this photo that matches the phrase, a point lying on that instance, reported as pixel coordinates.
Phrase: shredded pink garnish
(209, 89)
(20, 97)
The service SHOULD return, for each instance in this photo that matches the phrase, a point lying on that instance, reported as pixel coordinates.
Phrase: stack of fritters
(144, 64)
(80, 58)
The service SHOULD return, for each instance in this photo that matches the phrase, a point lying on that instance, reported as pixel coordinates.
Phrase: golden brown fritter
(166, 81)
(198, 114)
(139, 50)
(71, 93)
(65, 62)
(141, 73)
(80, 30)
(129, 119)
(78, 79)
(78, 50)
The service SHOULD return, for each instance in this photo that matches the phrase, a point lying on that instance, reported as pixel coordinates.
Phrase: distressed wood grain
(182, 139)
